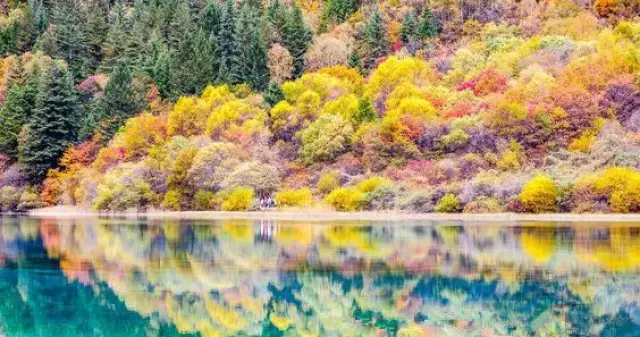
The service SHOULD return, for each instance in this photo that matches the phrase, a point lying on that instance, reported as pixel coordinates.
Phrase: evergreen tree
(296, 39)
(17, 75)
(135, 49)
(52, 124)
(31, 26)
(211, 18)
(71, 37)
(366, 113)
(259, 75)
(337, 11)
(226, 52)
(97, 29)
(428, 24)
(195, 65)
(277, 15)
(245, 27)
(376, 38)
(273, 94)
(409, 28)
(113, 46)
(355, 60)
(162, 75)
(13, 116)
(179, 26)
(119, 102)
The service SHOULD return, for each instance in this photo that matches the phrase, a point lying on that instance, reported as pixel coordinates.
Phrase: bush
(123, 189)
(539, 195)
(620, 186)
(172, 200)
(381, 199)
(239, 199)
(294, 198)
(328, 182)
(448, 204)
(345, 199)
(484, 205)
(373, 183)
(9, 198)
(262, 178)
(205, 200)
(29, 199)
(423, 202)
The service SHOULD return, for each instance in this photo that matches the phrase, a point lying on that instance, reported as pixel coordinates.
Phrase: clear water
(99, 277)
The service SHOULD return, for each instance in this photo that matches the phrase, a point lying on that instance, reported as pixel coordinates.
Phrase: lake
(110, 277)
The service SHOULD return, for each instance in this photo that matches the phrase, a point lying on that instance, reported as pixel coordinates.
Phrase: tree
(113, 46)
(409, 27)
(366, 113)
(259, 75)
(161, 74)
(280, 63)
(273, 94)
(13, 116)
(296, 38)
(71, 37)
(52, 126)
(326, 51)
(194, 63)
(428, 25)
(245, 27)
(227, 55)
(325, 139)
(119, 102)
(355, 60)
(211, 18)
(376, 38)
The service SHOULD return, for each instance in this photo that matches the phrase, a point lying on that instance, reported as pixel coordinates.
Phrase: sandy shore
(319, 215)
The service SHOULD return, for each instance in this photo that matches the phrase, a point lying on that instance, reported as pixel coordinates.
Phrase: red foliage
(82, 154)
(486, 82)
(459, 109)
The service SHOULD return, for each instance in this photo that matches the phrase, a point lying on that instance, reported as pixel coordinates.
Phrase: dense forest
(423, 106)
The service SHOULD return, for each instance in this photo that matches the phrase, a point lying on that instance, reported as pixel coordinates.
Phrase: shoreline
(322, 216)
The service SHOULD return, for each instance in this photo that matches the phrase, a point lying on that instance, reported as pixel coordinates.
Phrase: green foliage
(325, 139)
(239, 199)
(9, 198)
(13, 116)
(273, 94)
(294, 198)
(328, 182)
(296, 37)
(376, 38)
(345, 199)
(52, 125)
(428, 26)
(540, 195)
(205, 201)
(172, 200)
(449, 203)
(409, 27)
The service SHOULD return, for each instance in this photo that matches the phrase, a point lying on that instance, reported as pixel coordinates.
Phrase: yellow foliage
(140, 133)
(512, 158)
(235, 116)
(240, 199)
(294, 198)
(345, 199)
(280, 322)
(395, 71)
(416, 107)
(539, 244)
(584, 141)
(373, 183)
(539, 195)
(620, 185)
(328, 182)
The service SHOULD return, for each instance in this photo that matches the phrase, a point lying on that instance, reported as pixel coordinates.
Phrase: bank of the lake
(322, 215)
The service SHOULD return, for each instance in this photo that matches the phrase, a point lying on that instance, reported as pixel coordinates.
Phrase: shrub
(325, 139)
(9, 198)
(539, 195)
(484, 205)
(262, 178)
(124, 188)
(373, 183)
(294, 198)
(328, 182)
(422, 202)
(448, 204)
(382, 198)
(172, 200)
(620, 186)
(345, 199)
(29, 199)
(239, 199)
(205, 200)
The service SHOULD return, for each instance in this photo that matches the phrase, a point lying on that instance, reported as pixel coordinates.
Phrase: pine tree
(71, 37)
(366, 113)
(113, 46)
(409, 28)
(277, 15)
(245, 27)
(355, 60)
(162, 75)
(119, 102)
(376, 38)
(273, 94)
(259, 75)
(428, 24)
(13, 116)
(227, 46)
(211, 18)
(135, 48)
(296, 39)
(52, 124)
(195, 65)
(97, 29)
(179, 26)
(17, 73)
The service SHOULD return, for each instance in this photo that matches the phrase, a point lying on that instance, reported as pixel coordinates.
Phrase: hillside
(440, 106)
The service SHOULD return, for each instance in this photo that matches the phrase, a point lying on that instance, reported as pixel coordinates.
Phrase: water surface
(106, 277)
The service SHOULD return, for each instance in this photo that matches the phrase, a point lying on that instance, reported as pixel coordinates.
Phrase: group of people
(267, 202)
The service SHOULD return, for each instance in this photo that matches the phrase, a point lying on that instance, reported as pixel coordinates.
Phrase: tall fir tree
(71, 37)
(296, 39)
(52, 125)
(113, 46)
(180, 25)
(259, 75)
(226, 52)
(409, 28)
(120, 101)
(162, 75)
(195, 65)
(210, 18)
(428, 24)
(355, 60)
(97, 29)
(273, 94)
(277, 16)
(245, 26)
(376, 38)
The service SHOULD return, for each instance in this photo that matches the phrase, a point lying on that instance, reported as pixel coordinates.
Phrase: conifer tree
(211, 18)
(376, 38)
(296, 39)
(409, 27)
(180, 25)
(119, 102)
(195, 64)
(97, 29)
(162, 75)
(277, 15)
(113, 46)
(13, 116)
(227, 46)
(71, 37)
(245, 27)
(259, 75)
(355, 60)
(52, 124)
(428, 24)
(366, 113)
(273, 94)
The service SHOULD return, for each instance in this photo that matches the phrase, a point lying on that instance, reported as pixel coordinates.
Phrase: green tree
(376, 38)
(120, 101)
(71, 37)
(113, 46)
(161, 74)
(226, 52)
(52, 125)
(13, 115)
(195, 65)
(409, 27)
(355, 60)
(273, 94)
(366, 113)
(296, 39)
(428, 24)
(259, 74)
(210, 19)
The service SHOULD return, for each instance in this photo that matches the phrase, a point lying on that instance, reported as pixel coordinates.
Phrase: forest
(346, 105)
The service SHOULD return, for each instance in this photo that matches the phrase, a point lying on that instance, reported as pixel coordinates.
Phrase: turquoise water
(99, 277)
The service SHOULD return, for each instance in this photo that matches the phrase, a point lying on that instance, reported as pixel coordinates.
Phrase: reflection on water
(96, 277)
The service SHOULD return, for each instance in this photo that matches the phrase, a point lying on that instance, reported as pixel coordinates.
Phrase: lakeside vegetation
(440, 106)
